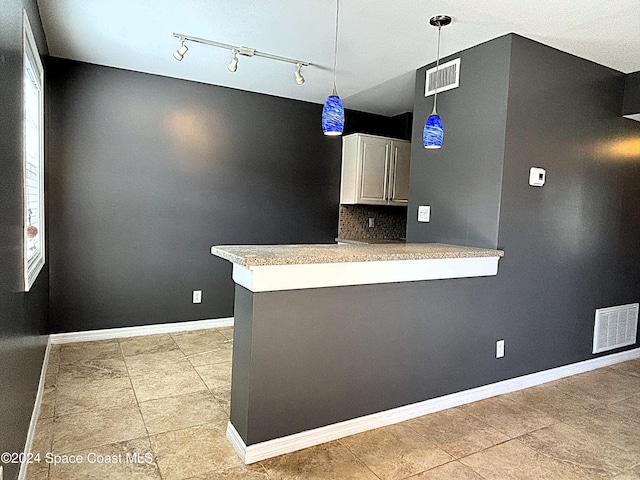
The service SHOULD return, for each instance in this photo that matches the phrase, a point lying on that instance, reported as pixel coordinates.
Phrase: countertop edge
(274, 255)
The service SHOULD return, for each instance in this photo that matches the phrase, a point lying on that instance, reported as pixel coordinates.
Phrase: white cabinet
(375, 170)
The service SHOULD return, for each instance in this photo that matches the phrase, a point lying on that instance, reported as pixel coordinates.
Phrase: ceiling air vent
(615, 327)
(448, 77)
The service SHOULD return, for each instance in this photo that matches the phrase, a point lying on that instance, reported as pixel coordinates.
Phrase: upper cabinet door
(375, 170)
(400, 169)
(375, 157)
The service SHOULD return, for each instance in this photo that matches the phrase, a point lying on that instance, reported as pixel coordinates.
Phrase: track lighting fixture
(233, 66)
(179, 54)
(245, 51)
(433, 131)
(299, 77)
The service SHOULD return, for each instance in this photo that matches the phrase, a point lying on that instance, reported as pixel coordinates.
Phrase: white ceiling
(380, 44)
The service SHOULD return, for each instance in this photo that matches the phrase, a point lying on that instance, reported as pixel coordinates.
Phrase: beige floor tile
(43, 439)
(97, 369)
(215, 355)
(585, 449)
(87, 430)
(629, 407)
(38, 471)
(457, 433)
(194, 451)
(47, 406)
(199, 341)
(396, 451)
(51, 378)
(227, 332)
(130, 460)
(245, 472)
(515, 461)
(551, 399)
(178, 379)
(218, 380)
(448, 471)
(86, 351)
(83, 395)
(611, 427)
(631, 474)
(328, 461)
(159, 375)
(604, 385)
(507, 416)
(154, 361)
(133, 346)
(52, 366)
(631, 367)
(183, 411)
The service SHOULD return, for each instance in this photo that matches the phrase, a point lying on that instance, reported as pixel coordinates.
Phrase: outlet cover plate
(500, 349)
(197, 296)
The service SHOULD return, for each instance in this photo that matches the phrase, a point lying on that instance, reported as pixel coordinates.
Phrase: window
(33, 147)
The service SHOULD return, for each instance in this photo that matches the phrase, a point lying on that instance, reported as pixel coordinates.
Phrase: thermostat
(537, 176)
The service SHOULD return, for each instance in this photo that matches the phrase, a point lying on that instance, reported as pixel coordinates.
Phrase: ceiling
(380, 44)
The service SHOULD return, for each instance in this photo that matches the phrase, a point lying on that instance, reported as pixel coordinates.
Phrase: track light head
(233, 65)
(299, 77)
(179, 54)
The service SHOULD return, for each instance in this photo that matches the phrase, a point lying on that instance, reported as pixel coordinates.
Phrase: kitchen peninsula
(324, 334)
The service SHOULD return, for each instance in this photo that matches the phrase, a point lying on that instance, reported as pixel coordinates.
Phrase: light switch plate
(424, 213)
(500, 349)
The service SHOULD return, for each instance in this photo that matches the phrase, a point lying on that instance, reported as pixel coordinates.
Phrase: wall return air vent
(448, 77)
(615, 327)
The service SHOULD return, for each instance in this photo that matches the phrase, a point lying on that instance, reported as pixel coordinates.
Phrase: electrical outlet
(197, 296)
(372, 222)
(424, 213)
(500, 349)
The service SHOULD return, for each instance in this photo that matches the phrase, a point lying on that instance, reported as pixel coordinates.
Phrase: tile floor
(163, 400)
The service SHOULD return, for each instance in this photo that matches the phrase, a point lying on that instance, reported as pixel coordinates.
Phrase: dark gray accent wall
(631, 104)
(461, 181)
(571, 246)
(146, 173)
(308, 358)
(23, 316)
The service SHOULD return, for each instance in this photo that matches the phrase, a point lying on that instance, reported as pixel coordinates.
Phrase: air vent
(615, 327)
(448, 77)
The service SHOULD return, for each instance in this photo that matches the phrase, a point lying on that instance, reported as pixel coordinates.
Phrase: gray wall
(145, 173)
(631, 104)
(22, 316)
(461, 181)
(571, 246)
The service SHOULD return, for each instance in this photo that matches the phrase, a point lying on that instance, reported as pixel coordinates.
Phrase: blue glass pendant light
(333, 111)
(433, 132)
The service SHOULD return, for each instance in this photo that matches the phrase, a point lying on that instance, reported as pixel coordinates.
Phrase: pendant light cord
(335, 48)
(435, 83)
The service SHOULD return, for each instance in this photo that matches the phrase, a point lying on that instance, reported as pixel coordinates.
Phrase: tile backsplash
(390, 223)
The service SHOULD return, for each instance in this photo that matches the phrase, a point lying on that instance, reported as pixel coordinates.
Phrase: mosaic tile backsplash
(390, 223)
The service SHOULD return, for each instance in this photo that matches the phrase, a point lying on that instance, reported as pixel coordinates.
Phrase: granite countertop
(262, 255)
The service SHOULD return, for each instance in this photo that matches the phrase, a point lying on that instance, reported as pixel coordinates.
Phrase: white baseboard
(22, 475)
(278, 446)
(107, 334)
